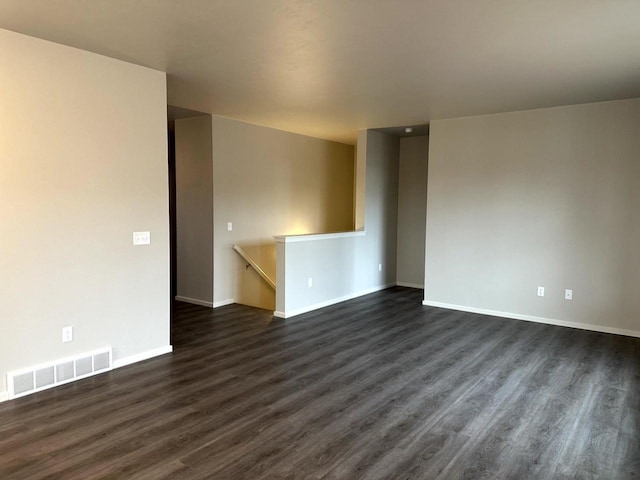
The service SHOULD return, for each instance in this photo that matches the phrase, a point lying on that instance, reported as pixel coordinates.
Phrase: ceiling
(177, 113)
(328, 68)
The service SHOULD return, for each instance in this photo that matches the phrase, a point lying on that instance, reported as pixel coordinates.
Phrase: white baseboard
(204, 303)
(195, 301)
(223, 303)
(410, 285)
(4, 396)
(333, 301)
(139, 357)
(531, 318)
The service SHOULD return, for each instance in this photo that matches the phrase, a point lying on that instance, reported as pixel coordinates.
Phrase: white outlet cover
(541, 291)
(141, 238)
(568, 294)
(229, 226)
(67, 334)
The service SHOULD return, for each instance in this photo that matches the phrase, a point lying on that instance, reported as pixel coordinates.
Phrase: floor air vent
(47, 375)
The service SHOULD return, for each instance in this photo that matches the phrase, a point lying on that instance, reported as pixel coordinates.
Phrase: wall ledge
(309, 237)
(531, 318)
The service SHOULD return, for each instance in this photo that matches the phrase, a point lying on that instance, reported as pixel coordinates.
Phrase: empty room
(319, 239)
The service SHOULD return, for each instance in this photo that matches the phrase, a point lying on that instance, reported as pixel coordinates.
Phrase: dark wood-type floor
(375, 388)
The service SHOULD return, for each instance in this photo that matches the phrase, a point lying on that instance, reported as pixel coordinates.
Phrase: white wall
(194, 209)
(412, 210)
(345, 266)
(269, 182)
(546, 197)
(83, 164)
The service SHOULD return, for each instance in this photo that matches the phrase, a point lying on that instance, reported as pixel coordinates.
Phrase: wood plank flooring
(379, 387)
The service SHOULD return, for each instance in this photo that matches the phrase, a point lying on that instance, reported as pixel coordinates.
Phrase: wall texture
(83, 164)
(268, 182)
(545, 197)
(348, 265)
(412, 210)
(194, 209)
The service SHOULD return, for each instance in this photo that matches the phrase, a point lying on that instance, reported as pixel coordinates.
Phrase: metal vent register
(47, 375)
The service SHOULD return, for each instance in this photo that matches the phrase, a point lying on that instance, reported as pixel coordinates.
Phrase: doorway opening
(413, 162)
(190, 166)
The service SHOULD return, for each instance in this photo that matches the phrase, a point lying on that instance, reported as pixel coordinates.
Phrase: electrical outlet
(541, 291)
(568, 294)
(379, 267)
(67, 334)
(310, 282)
(229, 226)
(141, 238)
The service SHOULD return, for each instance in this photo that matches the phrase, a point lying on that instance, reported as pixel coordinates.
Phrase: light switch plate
(141, 238)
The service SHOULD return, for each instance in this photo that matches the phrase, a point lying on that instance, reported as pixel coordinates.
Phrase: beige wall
(412, 209)
(545, 197)
(194, 209)
(83, 164)
(268, 182)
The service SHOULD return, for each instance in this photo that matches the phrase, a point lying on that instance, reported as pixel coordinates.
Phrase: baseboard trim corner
(532, 318)
(410, 285)
(224, 303)
(333, 301)
(195, 301)
(4, 396)
(139, 357)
